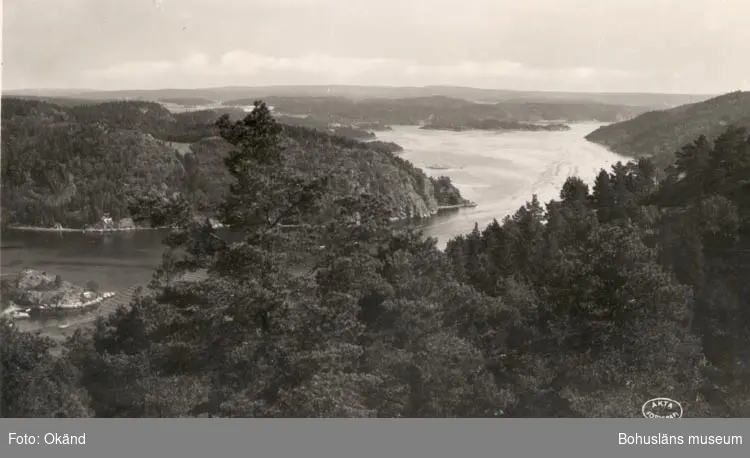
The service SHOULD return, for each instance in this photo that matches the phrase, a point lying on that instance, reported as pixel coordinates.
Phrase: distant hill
(187, 101)
(73, 165)
(62, 100)
(661, 133)
(650, 101)
(355, 106)
(493, 124)
(419, 110)
(192, 112)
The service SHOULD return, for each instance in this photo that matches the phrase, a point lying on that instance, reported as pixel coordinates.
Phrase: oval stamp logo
(662, 408)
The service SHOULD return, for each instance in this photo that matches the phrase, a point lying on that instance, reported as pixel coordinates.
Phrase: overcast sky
(690, 46)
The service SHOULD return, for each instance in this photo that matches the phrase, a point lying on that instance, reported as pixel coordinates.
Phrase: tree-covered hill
(634, 274)
(585, 306)
(353, 167)
(39, 110)
(73, 174)
(661, 133)
(147, 117)
(72, 165)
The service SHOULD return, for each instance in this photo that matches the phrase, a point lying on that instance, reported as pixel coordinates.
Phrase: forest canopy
(584, 306)
(73, 165)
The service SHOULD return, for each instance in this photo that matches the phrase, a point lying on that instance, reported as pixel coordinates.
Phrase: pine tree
(603, 197)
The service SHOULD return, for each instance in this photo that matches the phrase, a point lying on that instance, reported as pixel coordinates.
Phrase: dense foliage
(646, 282)
(446, 193)
(660, 133)
(33, 384)
(585, 306)
(73, 165)
(59, 170)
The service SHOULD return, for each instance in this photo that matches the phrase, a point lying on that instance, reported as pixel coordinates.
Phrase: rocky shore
(118, 226)
(70, 229)
(33, 293)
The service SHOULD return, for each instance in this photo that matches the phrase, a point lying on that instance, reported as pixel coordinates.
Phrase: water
(114, 261)
(499, 172)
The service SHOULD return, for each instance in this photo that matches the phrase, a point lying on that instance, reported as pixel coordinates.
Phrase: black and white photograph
(405, 209)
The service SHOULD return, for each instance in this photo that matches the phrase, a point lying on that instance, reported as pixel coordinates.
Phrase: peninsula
(33, 293)
(492, 124)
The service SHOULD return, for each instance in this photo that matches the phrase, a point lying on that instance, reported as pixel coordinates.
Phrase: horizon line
(354, 86)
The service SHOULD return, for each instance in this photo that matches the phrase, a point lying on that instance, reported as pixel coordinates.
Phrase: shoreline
(48, 311)
(468, 204)
(69, 230)
(456, 207)
(85, 230)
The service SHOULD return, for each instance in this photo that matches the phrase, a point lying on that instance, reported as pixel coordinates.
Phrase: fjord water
(499, 171)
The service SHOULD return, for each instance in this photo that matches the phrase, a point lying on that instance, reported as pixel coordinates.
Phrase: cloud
(197, 61)
(504, 43)
(242, 63)
(253, 68)
(130, 69)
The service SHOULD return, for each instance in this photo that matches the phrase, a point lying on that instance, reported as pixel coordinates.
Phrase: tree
(312, 304)
(603, 197)
(574, 190)
(362, 330)
(33, 384)
(261, 336)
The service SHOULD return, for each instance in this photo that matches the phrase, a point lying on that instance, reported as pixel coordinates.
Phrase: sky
(673, 46)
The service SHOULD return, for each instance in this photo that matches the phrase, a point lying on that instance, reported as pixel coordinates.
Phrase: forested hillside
(661, 133)
(57, 169)
(351, 167)
(642, 283)
(72, 165)
(585, 306)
